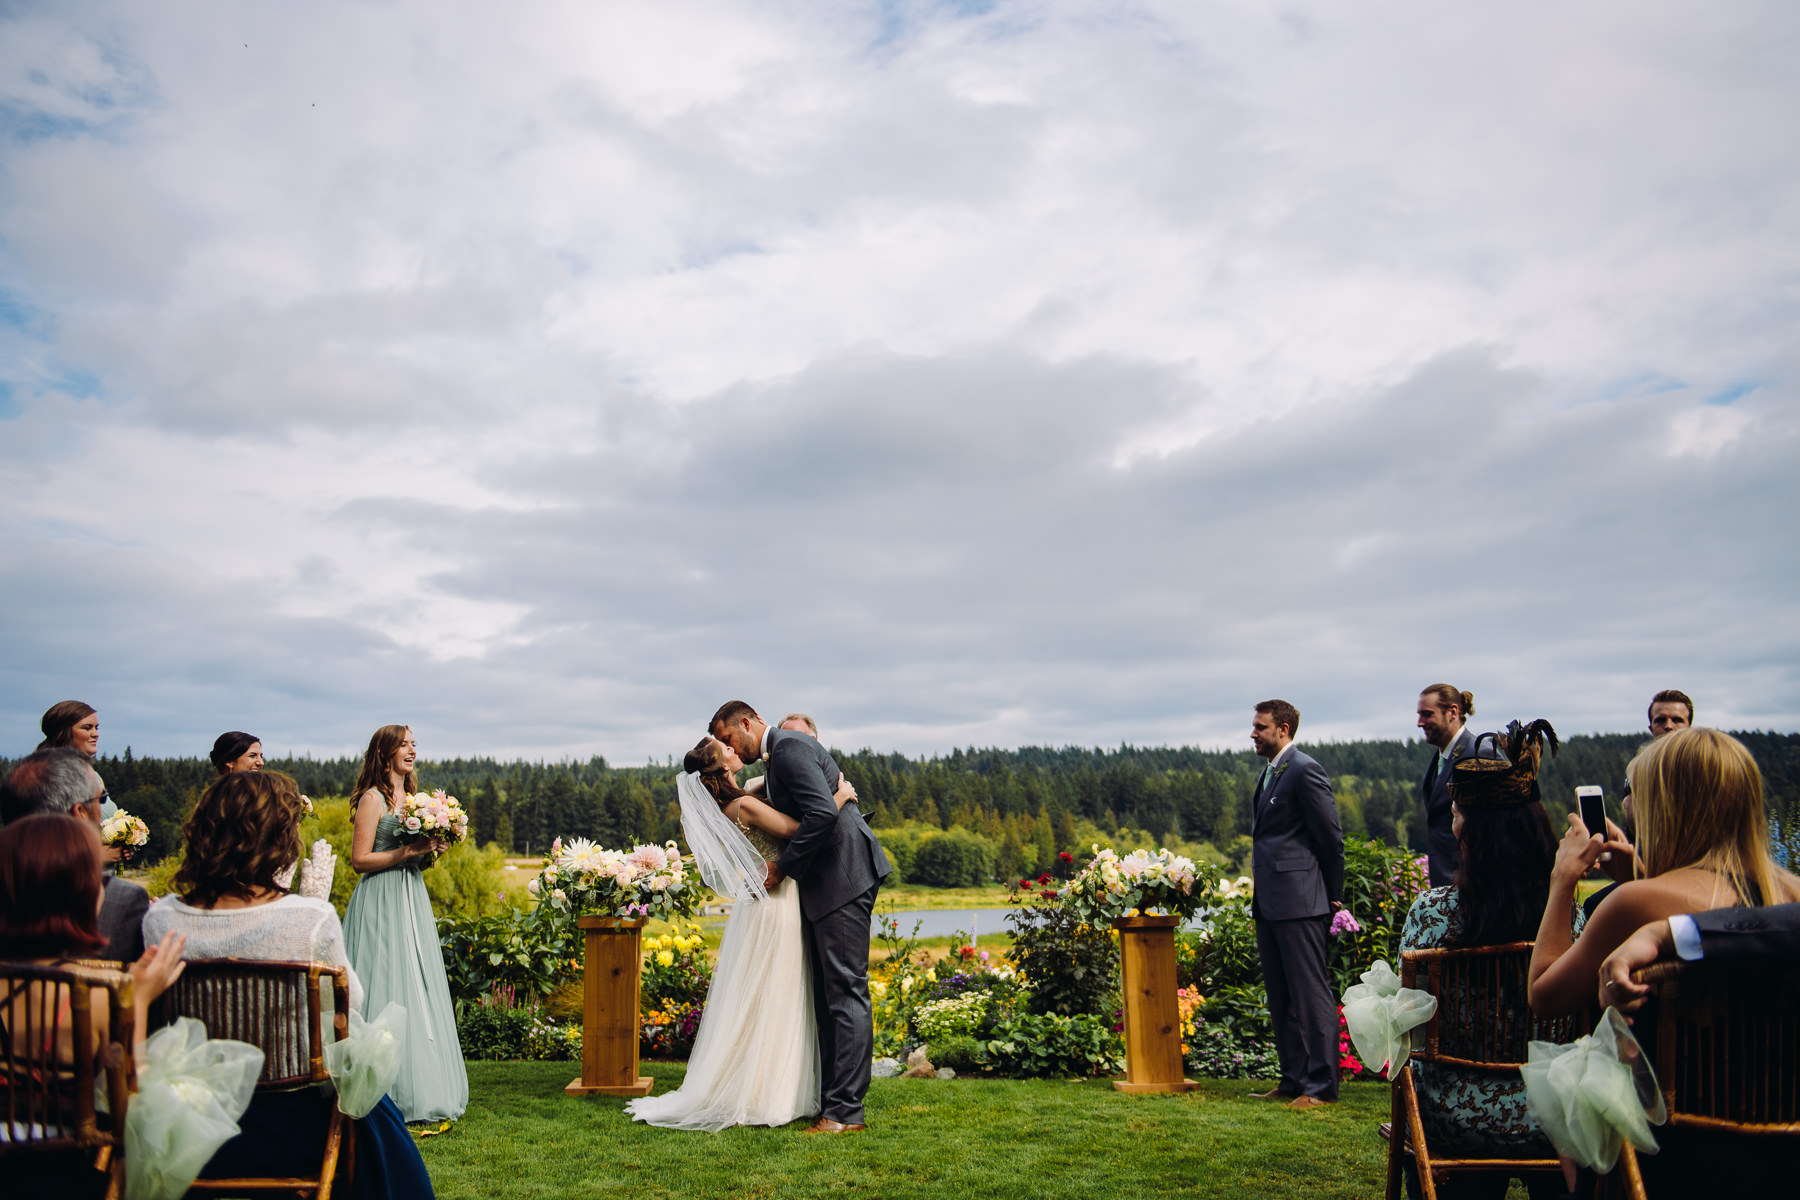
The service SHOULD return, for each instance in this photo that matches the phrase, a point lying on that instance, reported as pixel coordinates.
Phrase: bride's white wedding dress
(756, 1055)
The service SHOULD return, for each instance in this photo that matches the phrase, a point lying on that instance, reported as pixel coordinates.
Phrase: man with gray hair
(62, 781)
(800, 723)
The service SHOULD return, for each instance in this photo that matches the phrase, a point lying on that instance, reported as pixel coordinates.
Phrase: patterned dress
(1467, 1110)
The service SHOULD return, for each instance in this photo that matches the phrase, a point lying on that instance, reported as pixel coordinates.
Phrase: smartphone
(1590, 798)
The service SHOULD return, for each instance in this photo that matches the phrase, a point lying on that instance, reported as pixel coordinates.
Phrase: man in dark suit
(1443, 715)
(1723, 933)
(1297, 865)
(61, 781)
(839, 866)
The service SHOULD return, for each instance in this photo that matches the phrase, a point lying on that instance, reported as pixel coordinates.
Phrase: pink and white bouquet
(438, 816)
(646, 881)
(1143, 882)
(124, 831)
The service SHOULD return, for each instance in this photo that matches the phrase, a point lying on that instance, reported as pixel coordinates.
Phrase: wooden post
(609, 1009)
(1152, 1012)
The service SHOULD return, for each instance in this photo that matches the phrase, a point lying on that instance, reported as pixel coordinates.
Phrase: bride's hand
(846, 791)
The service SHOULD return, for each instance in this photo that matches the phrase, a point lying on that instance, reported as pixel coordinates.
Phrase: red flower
(1066, 856)
(1024, 883)
(1049, 893)
(1044, 878)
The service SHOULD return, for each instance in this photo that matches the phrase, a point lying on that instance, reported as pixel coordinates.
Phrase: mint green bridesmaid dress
(391, 938)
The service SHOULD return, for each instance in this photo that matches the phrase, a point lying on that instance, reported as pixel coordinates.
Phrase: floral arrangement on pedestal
(579, 877)
(1143, 882)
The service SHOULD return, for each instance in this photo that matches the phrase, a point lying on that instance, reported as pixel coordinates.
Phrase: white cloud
(1074, 372)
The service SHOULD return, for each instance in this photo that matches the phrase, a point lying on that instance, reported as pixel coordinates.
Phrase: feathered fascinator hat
(1502, 771)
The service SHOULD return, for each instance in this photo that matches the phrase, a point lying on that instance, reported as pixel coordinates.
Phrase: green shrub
(954, 1015)
(1380, 884)
(466, 881)
(963, 1054)
(489, 1031)
(1070, 968)
(956, 858)
(1049, 1045)
(1222, 953)
(528, 950)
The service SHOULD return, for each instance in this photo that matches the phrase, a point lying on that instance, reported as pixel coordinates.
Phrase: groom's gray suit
(838, 865)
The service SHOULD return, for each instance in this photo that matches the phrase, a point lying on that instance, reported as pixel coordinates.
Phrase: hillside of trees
(1027, 800)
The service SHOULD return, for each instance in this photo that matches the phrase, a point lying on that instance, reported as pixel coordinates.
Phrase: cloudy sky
(1006, 373)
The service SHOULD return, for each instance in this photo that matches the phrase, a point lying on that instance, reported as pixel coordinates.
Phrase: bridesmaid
(391, 934)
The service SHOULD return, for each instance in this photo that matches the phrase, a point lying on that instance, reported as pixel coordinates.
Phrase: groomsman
(1443, 715)
(1297, 864)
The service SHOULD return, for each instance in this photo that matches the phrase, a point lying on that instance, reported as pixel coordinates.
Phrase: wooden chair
(277, 1007)
(1482, 1025)
(1727, 1054)
(49, 1103)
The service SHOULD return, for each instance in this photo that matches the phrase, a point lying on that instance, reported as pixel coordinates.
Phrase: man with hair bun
(1444, 712)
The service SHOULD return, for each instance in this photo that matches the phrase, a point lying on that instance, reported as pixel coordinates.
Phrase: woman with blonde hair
(1703, 843)
(391, 932)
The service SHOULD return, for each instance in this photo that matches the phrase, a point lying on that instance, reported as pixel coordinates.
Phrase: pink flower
(1343, 922)
(649, 858)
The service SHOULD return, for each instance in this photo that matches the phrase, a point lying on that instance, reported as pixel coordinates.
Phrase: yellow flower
(665, 941)
(878, 987)
(1131, 912)
(664, 958)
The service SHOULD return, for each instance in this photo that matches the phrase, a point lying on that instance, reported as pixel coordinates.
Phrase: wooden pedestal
(1152, 1014)
(609, 1010)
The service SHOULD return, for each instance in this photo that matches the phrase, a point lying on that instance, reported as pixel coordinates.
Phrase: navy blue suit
(838, 865)
(1297, 864)
(1440, 843)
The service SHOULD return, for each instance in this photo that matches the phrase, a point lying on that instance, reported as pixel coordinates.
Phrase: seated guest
(243, 831)
(1723, 933)
(50, 894)
(1702, 844)
(61, 782)
(237, 751)
(1669, 710)
(1505, 847)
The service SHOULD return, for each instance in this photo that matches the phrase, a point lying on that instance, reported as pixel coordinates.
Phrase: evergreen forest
(1028, 800)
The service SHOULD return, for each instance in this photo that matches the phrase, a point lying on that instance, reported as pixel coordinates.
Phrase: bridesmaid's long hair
(378, 760)
(708, 758)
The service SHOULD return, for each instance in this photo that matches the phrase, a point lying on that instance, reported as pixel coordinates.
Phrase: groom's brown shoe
(827, 1125)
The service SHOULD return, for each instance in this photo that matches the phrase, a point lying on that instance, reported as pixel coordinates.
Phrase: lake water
(945, 922)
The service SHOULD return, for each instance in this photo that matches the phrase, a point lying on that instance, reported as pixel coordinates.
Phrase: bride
(756, 1056)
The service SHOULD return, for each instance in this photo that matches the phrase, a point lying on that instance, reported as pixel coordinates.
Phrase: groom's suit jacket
(1440, 842)
(832, 856)
(1297, 845)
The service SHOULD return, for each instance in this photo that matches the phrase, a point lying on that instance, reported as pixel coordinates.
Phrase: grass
(955, 1140)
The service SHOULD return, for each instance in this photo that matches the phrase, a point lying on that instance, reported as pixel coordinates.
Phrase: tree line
(1028, 799)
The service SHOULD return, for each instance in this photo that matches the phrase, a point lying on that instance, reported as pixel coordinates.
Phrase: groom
(839, 867)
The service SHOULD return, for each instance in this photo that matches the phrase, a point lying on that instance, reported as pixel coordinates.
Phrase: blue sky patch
(1734, 393)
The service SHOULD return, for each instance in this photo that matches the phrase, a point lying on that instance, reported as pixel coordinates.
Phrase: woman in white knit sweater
(243, 832)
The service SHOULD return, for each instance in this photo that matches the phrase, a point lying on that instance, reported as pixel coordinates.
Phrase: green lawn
(955, 1139)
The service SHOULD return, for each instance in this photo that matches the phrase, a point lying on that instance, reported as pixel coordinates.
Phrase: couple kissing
(787, 1032)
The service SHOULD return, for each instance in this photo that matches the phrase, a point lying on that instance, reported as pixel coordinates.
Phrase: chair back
(1483, 1021)
(49, 1092)
(1728, 1043)
(275, 1006)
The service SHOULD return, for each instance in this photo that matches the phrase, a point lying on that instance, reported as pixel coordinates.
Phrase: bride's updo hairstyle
(245, 828)
(378, 760)
(708, 760)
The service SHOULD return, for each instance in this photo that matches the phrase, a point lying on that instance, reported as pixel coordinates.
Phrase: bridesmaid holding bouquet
(390, 933)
